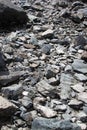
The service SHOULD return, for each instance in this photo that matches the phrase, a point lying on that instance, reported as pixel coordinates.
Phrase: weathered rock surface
(11, 14)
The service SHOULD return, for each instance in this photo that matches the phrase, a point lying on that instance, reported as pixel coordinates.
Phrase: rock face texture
(11, 14)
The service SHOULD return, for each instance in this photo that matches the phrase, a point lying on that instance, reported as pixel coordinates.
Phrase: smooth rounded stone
(75, 104)
(79, 66)
(82, 97)
(27, 102)
(53, 124)
(29, 116)
(81, 77)
(46, 49)
(84, 56)
(82, 116)
(12, 91)
(78, 88)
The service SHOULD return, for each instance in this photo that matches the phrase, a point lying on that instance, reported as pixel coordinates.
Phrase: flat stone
(82, 97)
(53, 124)
(78, 88)
(75, 104)
(79, 66)
(12, 91)
(48, 33)
(81, 77)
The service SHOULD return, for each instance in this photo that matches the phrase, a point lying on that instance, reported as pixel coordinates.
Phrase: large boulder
(11, 14)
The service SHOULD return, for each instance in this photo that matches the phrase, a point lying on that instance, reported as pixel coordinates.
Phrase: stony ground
(43, 68)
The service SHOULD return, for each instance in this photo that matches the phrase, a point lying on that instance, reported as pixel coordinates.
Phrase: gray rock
(10, 13)
(2, 62)
(12, 91)
(53, 124)
(79, 66)
(46, 48)
(78, 88)
(82, 97)
(81, 77)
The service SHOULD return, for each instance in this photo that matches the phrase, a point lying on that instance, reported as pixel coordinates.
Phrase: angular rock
(79, 66)
(10, 14)
(75, 104)
(48, 33)
(82, 97)
(84, 56)
(8, 79)
(78, 88)
(2, 62)
(7, 109)
(53, 124)
(12, 91)
(81, 77)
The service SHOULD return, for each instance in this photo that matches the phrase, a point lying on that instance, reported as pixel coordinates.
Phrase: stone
(84, 56)
(2, 62)
(46, 49)
(10, 14)
(53, 124)
(82, 97)
(7, 109)
(75, 104)
(54, 81)
(78, 88)
(79, 66)
(27, 102)
(66, 81)
(11, 77)
(12, 91)
(81, 77)
(48, 33)
(82, 116)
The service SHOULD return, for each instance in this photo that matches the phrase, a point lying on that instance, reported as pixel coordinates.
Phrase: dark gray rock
(53, 124)
(10, 14)
(46, 49)
(2, 62)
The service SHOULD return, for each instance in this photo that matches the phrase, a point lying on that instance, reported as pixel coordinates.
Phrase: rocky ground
(43, 67)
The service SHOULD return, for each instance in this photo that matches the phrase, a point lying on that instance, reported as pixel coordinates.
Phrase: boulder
(11, 14)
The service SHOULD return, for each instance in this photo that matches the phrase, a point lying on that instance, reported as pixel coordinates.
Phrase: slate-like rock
(53, 124)
(11, 14)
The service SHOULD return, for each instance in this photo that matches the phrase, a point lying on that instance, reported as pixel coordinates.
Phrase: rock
(81, 77)
(54, 81)
(50, 73)
(82, 116)
(10, 14)
(53, 124)
(12, 77)
(65, 82)
(29, 116)
(75, 104)
(79, 66)
(80, 41)
(82, 97)
(46, 49)
(2, 62)
(7, 109)
(27, 102)
(60, 108)
(78, 88)
(32, 18)
(12, 91)
(84, 56)
(48, 33)
(43, 109)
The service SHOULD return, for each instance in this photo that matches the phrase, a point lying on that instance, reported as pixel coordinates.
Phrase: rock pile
(43, 67)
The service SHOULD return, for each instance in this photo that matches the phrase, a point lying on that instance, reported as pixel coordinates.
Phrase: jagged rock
(10, 14)
(6, 108)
